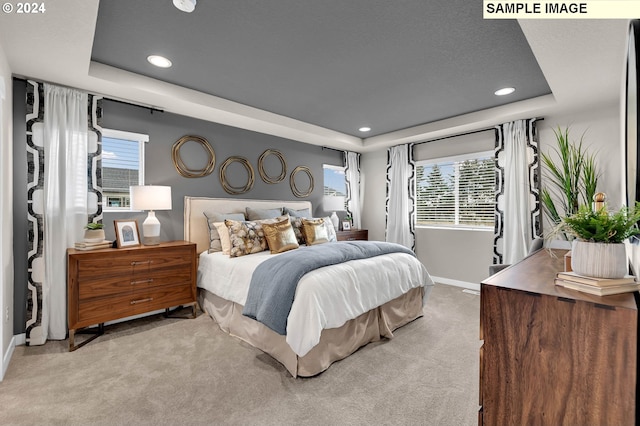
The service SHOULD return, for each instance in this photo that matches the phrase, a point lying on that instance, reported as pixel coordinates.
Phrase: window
(335, 183)
(122, 166)
(456, 191)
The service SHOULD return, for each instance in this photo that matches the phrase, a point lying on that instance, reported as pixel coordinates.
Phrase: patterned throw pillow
(314, 231)
(214, 237)
(248, 237)
(280, 236)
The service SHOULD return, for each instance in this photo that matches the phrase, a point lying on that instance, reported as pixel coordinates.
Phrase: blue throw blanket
(274, 282)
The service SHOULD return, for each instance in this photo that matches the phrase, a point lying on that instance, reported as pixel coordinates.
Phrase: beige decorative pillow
(314, 231)
(225, 240)
(248, 237)
(280, 236)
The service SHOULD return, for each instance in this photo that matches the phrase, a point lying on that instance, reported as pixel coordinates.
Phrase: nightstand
(352, 235)
(109, 284)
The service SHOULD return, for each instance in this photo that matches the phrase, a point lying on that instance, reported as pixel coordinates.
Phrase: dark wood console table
(554, 356)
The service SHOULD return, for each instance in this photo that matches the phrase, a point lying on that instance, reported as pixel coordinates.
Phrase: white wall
(6, 216)
(464, 256)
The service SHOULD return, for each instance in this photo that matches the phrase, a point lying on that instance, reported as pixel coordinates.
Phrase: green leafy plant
(571, 179)
(93, 225)
(601, 226)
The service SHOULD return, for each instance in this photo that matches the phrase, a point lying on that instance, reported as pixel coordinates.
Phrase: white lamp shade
(332, 203)
(150, 197)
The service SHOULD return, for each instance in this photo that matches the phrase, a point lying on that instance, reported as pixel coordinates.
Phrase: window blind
(457, 191)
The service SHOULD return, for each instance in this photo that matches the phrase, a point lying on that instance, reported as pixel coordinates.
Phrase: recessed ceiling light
(365, 129)
(159, 61)
(504, 91)
(185, 5)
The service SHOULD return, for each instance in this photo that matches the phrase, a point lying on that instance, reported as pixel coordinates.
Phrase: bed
(377, 295)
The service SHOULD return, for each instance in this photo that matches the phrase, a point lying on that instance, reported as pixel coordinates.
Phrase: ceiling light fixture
(185, 5)
(365, 129)
(504, 91)
(159, 61)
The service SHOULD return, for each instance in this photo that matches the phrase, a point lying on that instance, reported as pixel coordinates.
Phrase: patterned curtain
(36, 169)
(401, 179)
(352, 177)
(518, 214)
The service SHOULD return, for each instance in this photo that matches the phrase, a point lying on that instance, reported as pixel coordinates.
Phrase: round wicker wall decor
(178, 163)
(263, 174)
(235, 190)
(292, 181)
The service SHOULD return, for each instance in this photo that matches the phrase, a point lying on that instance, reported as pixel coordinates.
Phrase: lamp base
(151, 241)
(151, 230)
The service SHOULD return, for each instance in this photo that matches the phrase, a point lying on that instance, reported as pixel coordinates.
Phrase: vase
(600, 260)
(94, 235)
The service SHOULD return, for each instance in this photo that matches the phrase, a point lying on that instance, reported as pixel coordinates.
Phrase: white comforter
(325, 298)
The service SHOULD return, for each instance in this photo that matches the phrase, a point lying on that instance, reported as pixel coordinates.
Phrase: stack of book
(93, 246)
(597, 286)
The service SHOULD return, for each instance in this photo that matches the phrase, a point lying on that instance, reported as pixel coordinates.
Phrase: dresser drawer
(160, 298)
(131, 303)
(140, 263)
(99, 286)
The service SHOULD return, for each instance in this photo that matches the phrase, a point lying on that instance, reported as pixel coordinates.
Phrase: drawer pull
(143, 262)
(148, 280)
(148, 299)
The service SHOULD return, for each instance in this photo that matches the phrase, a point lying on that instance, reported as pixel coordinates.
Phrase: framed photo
(127, 234)
(346, 225)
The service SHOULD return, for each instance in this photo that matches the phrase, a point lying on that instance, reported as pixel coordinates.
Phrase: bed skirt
(335, 344)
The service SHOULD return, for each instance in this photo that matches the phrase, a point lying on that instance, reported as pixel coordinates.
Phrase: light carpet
(164, 371)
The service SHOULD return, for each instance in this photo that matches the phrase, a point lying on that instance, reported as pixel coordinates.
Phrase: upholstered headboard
(195, 223)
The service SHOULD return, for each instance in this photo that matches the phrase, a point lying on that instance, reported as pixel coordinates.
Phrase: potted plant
(571, 177)
(598, 249)
(94, 232)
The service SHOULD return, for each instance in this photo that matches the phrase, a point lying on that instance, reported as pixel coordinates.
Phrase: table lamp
(333, 203)
(151, 198)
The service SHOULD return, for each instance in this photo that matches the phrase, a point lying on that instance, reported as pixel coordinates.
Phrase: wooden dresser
(109, 284)
(352, 235)
(554, 356)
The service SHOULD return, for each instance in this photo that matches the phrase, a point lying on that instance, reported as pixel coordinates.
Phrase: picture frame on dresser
(127, 233)
(346, 225)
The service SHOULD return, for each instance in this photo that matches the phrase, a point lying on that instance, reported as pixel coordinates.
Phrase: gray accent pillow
(214, 236)
(259, 214)
(306, 213)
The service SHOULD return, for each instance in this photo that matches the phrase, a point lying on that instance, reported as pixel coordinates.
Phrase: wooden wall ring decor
(292, 182)
(182, 168)
(235, 190)
(265, 177)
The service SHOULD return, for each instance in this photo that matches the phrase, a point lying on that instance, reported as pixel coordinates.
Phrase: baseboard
(7, 357)
(463, 284)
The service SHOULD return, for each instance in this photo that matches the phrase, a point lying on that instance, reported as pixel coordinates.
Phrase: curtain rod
(467, 133)
(334, 149)
(150, 108)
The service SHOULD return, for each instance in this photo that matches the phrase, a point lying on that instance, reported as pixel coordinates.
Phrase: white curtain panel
(400, 173)
(352, 176)
(517, 203)
(65, 197)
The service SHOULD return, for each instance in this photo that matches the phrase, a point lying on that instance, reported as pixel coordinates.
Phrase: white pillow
(225, 240)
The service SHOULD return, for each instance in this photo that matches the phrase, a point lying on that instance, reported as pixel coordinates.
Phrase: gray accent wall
(164, 129)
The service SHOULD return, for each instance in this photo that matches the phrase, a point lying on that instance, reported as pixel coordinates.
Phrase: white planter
(601, 260)
(94, 235)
